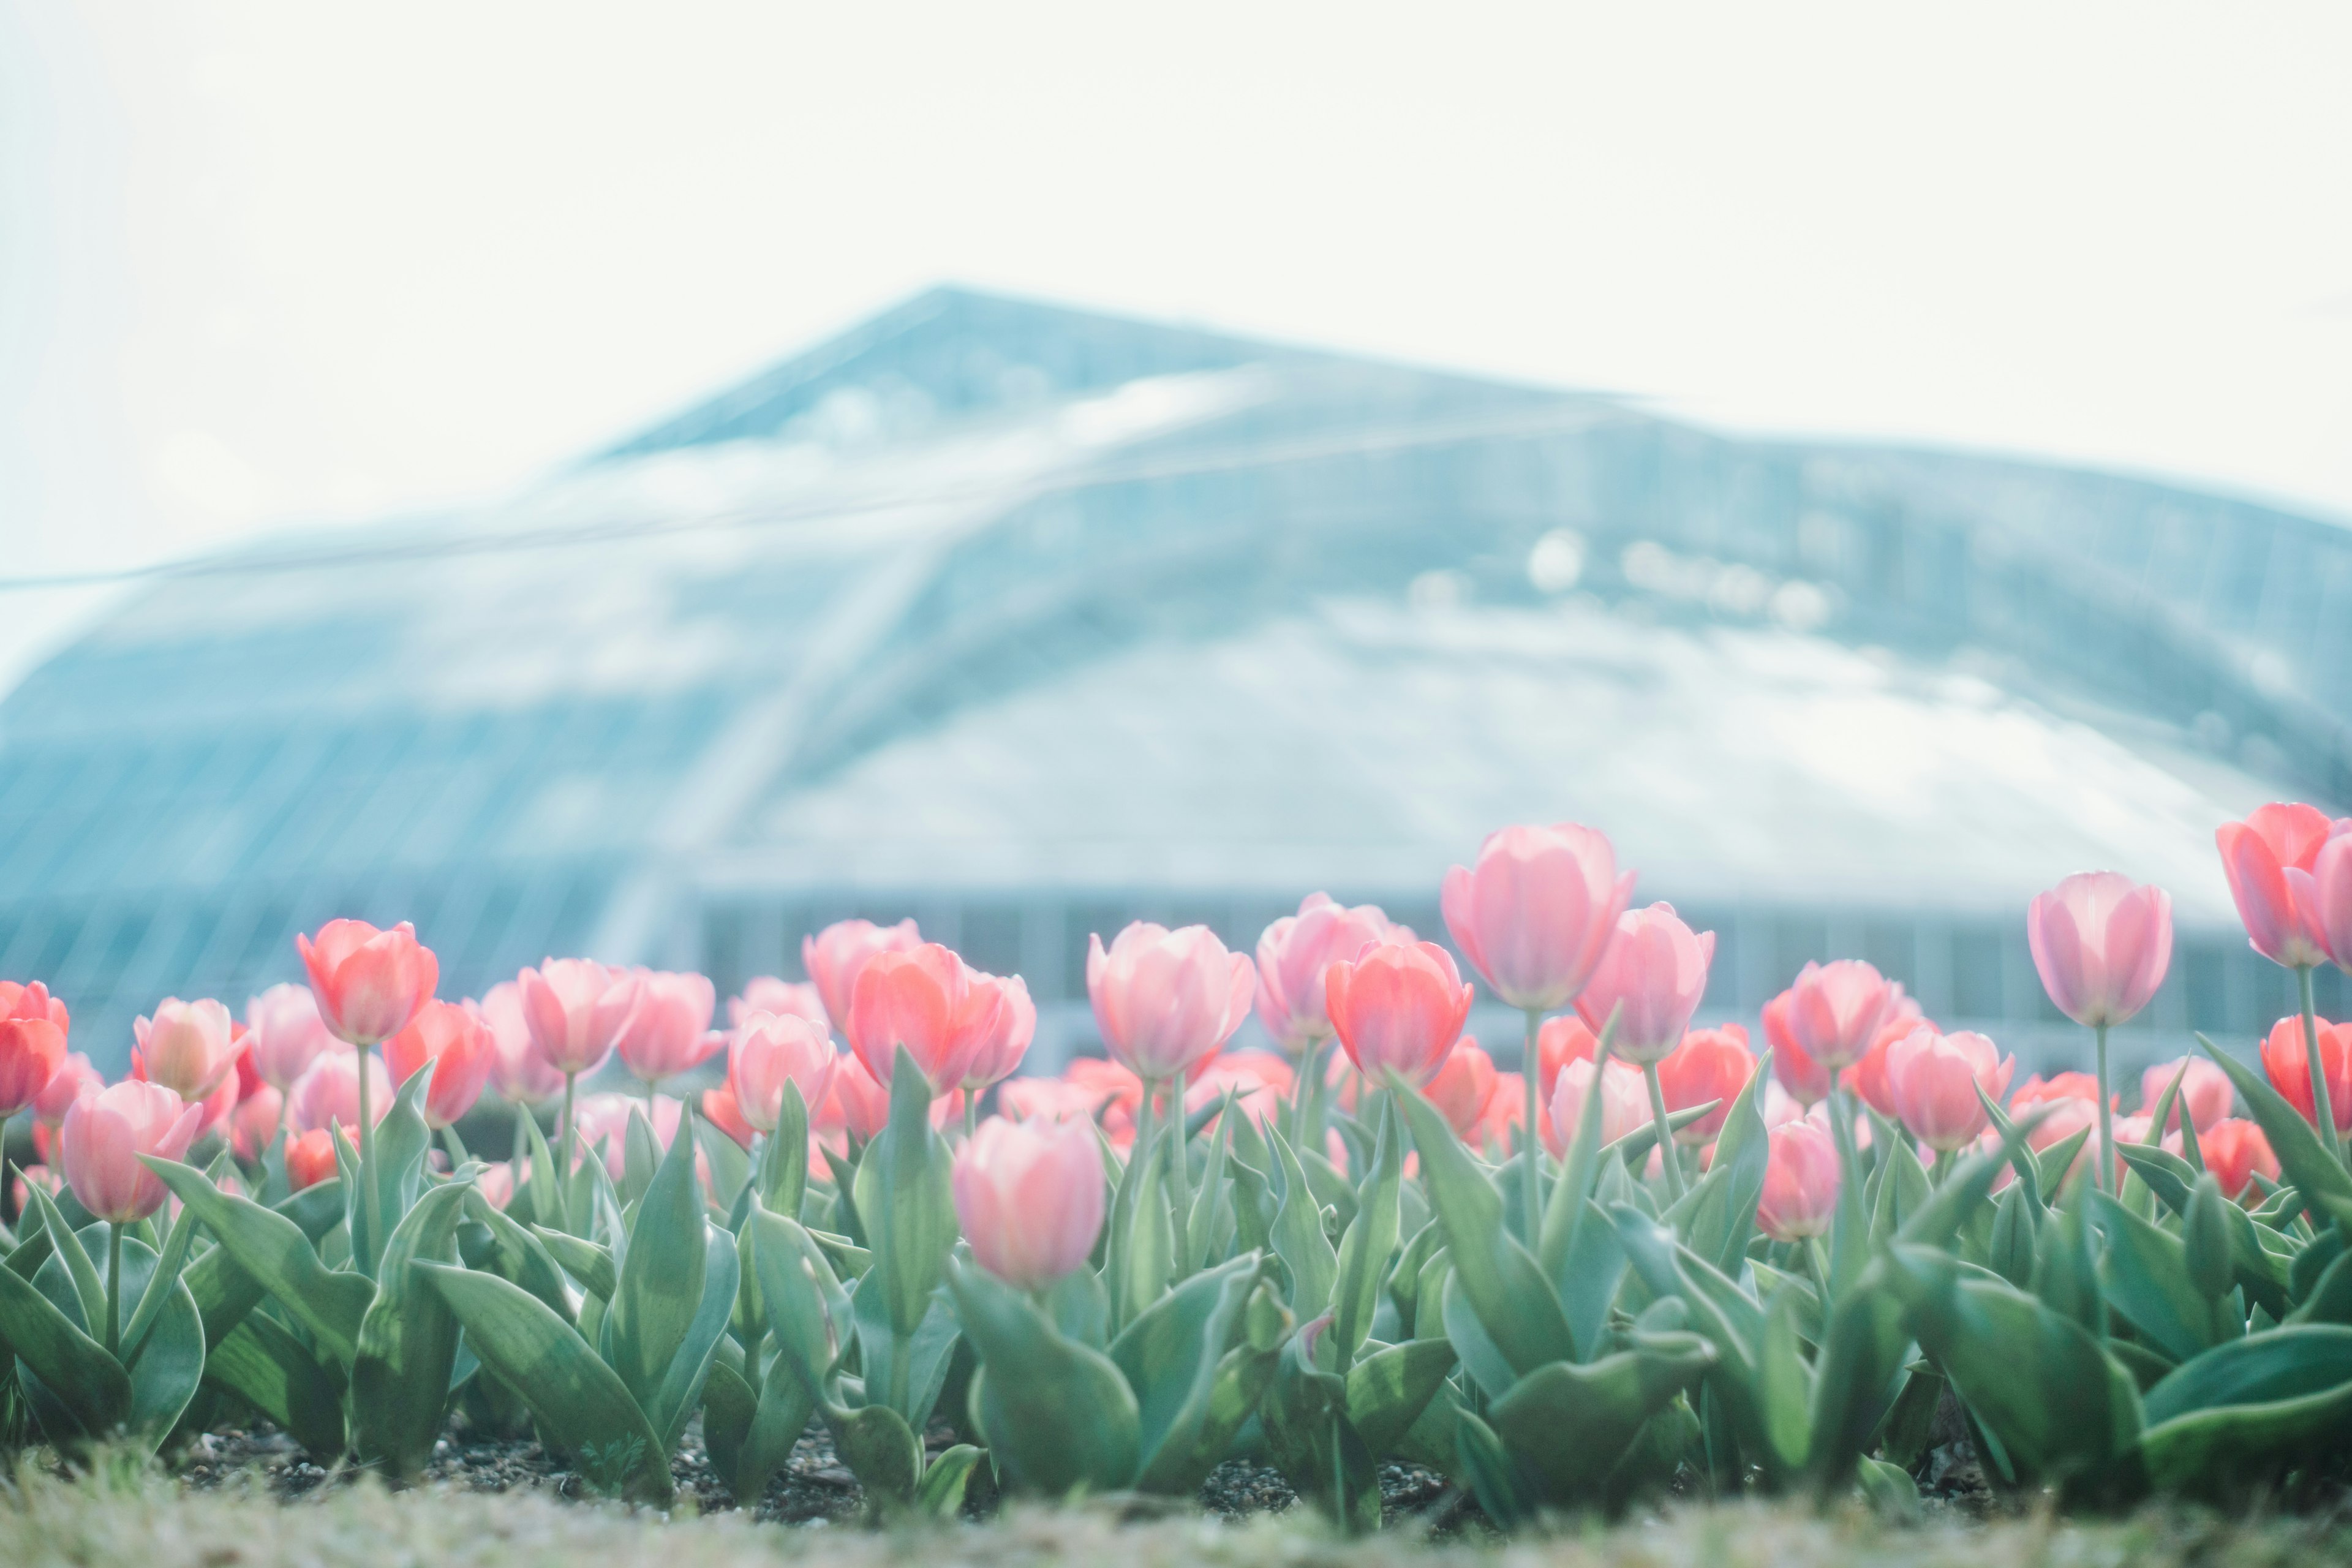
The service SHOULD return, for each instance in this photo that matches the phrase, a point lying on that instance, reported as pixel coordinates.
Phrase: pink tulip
(1029, 1197)
(254, 1123)
(1262, 1082)
(106, 1133)
(2234, 1151)
(459, 1044)
(1833, 1012)
(1398, 1010)
(1294, 953)
(864, 1105)
(2102, 943)
(998, 1054)
(2286, 1057)
(1053, 1099)
(1167, 1000)
(604, 1118)
(724, 1112)
(2331, 894)
(1653, 976)
(368, 983)
(309, 1159)
(285, 1032)
(669, 1033)
(770, 1051)
(932, 1003)
(1800, 1182)
(330, 1092)
(1710, 1064)
(1793, 1066)
(519, 1074)
(496, 1183)
(1462, 1087)
(33, 1026)
(1624, 1102)
(1538, 912)
(1561, 1040)
(74, 1079)
(185, 1047)
(2206, 1092)
(836, 956)
(576, 1009)
(2039, 1090)
(2268, 859)
(1933, 1080)
(784, 998)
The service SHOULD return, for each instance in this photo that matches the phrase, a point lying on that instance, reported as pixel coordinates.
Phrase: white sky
(265, 263)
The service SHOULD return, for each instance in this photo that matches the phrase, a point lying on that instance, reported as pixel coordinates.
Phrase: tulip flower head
(518, 1072)
(2206, 1089)
(254, 1121)
(106, 1133)
(2287, 1059)
(1800, 1182)
(576, 1009)
(1462, 1087)
(1833, 1010)
(930, 1001)
(2102, 943)
(2269, 859)
(496, 1183)
(766, 993)
(1561, 1040)
(669, 1031)
(2234, 1150)
(997, 1056)
(1398, 1009)
(458, 1044)
(1710, 1064)
(74, 1079)
(1624, 1102)
(286, 1033)
(33, 1026)
(1030, 1197)
(723, 1110)
(1537, 912)
(1933, 1080)
(836, 956)
(329, 1094)
(185, 1047)
(768, 1051)
(1651, 977)
(309, 1158)
(1294, 955)
(1167, 1001)
(368, 983)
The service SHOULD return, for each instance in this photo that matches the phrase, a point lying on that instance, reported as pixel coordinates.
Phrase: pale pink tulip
(930, 1001)
(459, 1044)
(1398, 1009)
(496, 1183)
(2102, 943)
(2206, 1092)
(864, 1105)
(1261, 1080)
(254, 1123)
(836, 956)
(107, 1132)
(1800, 1182)
(33, 1026)
(2268, 859)
(1166, 1001)
(1653, 976)
(784, 998)
(368, 983)
(1561, 1040)
(998, 1054)
(1538, 911)
(519, 1074)
(605, 1117)
(2331, 894)
(1029, 1197)
(1710, 1064)
(1793, 1066)
(1052, 1099)
(1833, 1010)
(185, 1047)
(309, 1159)
(330, 1092)
(74, 1079)
(770, 1051)
(576, 1009)
(1624, 1102)
(286, 1033)
(669, 1032)
(1294, 954)
(1933, 1080)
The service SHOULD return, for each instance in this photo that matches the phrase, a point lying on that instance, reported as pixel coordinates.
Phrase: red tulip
(2101, 944)
(1292, 957)
(1029, 1197)
(185, 1047)
(932, 1003)
(285, 1032)
(519, 1074)
(2268, 859)
(1710, 1064)
(1463, 1086)
(1833, 1010)
(836, 956)
(1398, 1009)
(1538, 911)
(770, 1051)
(724, 1112)
(1166, 1001)
(107, 1132)
(1933, 1080)
(1800, 1182)
(2287, 1059)
(576, 1009)
(368, 983)
(1653, 977)
(2234, 1150)
(669, 1031)
(33, 1026)
(309, 1159)
(784, 998)
(1624, 1102)
(2206, 1092)
(459, 1044)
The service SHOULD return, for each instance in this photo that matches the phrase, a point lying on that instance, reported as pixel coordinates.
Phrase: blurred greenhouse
(1027, 621)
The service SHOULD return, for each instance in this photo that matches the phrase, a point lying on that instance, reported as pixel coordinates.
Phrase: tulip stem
(1310, 1076)
(563, 1130)
(368, 1198)
(1821, 1264)
(114, 1288)
(2323, 1106)
(2103, 1169)
(1181, 1172)
(971, 1114)
(1667, 1155)
(1531, 1070)
(1143, 1119)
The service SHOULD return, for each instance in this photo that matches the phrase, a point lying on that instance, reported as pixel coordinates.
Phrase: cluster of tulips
(1656, 1252)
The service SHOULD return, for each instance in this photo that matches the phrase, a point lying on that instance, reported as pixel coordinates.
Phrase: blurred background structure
(1026, 622)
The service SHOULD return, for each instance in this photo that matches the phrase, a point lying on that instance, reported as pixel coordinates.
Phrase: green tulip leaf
(1058, 1417)
(263, 1363)
(276, 1252)
(1389, 1389)
(407, 1342)
(1568, 1425)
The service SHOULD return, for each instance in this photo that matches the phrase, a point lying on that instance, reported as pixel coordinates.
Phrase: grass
(124, 1514)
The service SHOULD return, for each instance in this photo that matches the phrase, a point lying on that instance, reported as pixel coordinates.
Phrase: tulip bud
(368, 983)
(309, 1159)
(1538, 912)
(1030, 1198)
